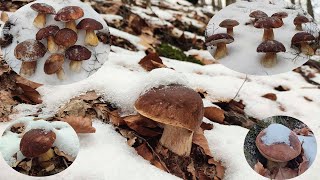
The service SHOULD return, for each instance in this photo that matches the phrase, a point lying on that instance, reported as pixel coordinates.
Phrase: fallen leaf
(206, 126)
(89, 96)
(271, 96)
(286, 173)
(142, 125)
(144, 151)
(80, 124)
(115, 118)
(304, 165)
(151, 61)
(61, 153)
(214, 114)
(200, 140)
(6, 105)
(75, 107)
(30, 93)
(258, 167)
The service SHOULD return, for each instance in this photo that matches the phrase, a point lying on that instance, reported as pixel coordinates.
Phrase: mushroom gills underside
(221, 51)
(269, 60)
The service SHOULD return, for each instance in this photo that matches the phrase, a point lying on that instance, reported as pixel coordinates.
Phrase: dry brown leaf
(80, 124)
(136, 24)
(151, 61)
(144, 151)
(304, 165)
(286, 173)
(115, 118)
(4, 69)
(200, 140)
(26, 82)
(206, 126)
(258, 167)
(214, 114)
(30, 93)
(6, 105)
(271, 96)
(89, 96)
(141, 125)
(61, 153)
(75, 107)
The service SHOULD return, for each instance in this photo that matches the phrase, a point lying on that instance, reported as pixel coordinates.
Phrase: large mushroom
(280, 15)
(69, 15)
(220, 40)
(257, 15)
(65, 38)
(29, 52)
(42, 9)
(90, 25)
(229, 24)
(53, 65)
(49, 33)
(268, 24)
(179, 109)
(298, 21)
(271, 48)
(303, 39)
(76, 54)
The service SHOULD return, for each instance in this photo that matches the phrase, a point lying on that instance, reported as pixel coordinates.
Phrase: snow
(9, 145)
(276, 134)
(309, 145)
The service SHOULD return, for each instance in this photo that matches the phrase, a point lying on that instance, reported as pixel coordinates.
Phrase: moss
(168, 51)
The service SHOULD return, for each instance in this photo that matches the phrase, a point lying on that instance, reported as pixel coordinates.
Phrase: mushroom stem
(60, 74)
(272, 164)
(28, 68)
(176, 139)
(46, 156)
(72, 25)
(52, 46)
(230, 31)
(268, 35)
(299, 27)
(307, 49)
(221, 51)
(40, 20)
(75, 66)
(91, 38)
(269, 60)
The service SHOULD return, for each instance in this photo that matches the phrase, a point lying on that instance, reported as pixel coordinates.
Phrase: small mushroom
(303, 39)
(298, 21)
(179, 109)
(29, 52)
(271, 48)
(220, 40)
(43, 9)
(257, 15)
(53, 65)
(229, 24)
(268, 24)
(280, 15)
(90, 25)
(49, 33)
(76, 54)
(69, 15)
(65, 38)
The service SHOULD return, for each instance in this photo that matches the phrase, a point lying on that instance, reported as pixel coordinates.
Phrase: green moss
(168, 51)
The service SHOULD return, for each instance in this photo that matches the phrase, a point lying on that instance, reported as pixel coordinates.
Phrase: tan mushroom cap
(69, 13)
(47, 31)
(271, 46)
(229, 23)
(258, 14)
(29, 50)
(268, 23)
(173, 105)
(302, 37)
(65, 37)
(43, 8)
(89, 24)
(54, 63)
(300, 19)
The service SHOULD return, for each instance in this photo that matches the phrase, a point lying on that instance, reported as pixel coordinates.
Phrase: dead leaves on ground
(151, 61)
(80, 124)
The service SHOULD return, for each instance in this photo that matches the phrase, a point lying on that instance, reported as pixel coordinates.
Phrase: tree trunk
(293, 1)
(310, 8)
(219, 4)
(213, 3)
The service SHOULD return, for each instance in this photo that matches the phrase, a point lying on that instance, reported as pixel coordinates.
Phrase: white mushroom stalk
(221, 51)
(40, 21)
(91, 38)
(28, 68)
(270, 60)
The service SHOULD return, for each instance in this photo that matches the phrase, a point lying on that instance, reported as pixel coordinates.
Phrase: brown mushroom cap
(258, 14)
(268, 23)
(29, 50)
(89, 24)
(174, 105)
(300, 19)
(47, 31)
(219, 38)
(69, 13)
(302, 37)
(65, 37)
(54, 63)
(43, 8)
(271, 46)
(78, 53)
(280, 15)
(229, 23)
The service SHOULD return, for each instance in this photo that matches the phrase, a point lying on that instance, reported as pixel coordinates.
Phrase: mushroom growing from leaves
(271, 48)
(179, 109)
(76, 54)
(42, 9)
(29, 52)
(268, 24)
(280, 15)
(298, 21)
(49, 33)
(257, 15)
(69, 15)
(53, 65)
(303, 39)
(90, 25)
(65, 38)
(229, 24)
(220, 40)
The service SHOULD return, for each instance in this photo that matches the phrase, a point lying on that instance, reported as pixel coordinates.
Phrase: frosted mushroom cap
(78, 53)
(219, 38)
(47, 31)
(268, 23)
(43, 8)
(271, 46)
(29, 50)
(54, 63)
(69, 13)
(173, 105)
(258, 14)
(300, 19)
(229, 23)
(280, 15)
(89, 24)
(65, 37)
(302, 37)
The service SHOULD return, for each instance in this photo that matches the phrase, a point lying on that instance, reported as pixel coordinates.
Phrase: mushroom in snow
(76, 54)
(42, 9)
(29, 52)
(49, 33)
(65, 38)
(69, 15)
(303, 39)
(179, 109)
(268, 24)
(257, 15)
(280, 15)
(220, 40)
(298, 21)
(271, 48)
(229, 24)
(53, 65)
(90, 25)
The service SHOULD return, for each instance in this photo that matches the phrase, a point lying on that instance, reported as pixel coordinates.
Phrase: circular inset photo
(259, 38)
(280, 147)
(36, 147)
(55, 42)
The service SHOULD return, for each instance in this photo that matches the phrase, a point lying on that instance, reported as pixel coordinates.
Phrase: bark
(310, 8)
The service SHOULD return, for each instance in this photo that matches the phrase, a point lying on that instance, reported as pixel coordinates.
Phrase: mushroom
(298, 21)
(179, 109)
(303, 39)
(280, 15)
(76, 54)
(220, 40)
(43, 9)
(49, 33)
(229, 24)
(69, 15)
(268, 24)
(29, 52)
(53, 65)
(271, 48)
(257, 15)
(65, 38)
(90, 25)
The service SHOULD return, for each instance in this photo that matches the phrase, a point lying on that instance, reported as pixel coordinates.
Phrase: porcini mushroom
(43, 9)
(271, 48)
(229, 24)
(29, 52)
(69, 15)
(76, 54)
(49, 33)
(65, 38)
(303, 39)
(257, 15)
(220, 40)
(53, 65)
(90, 25)
(268, 24)
(298, 21)
(179, 109)
(280, 15)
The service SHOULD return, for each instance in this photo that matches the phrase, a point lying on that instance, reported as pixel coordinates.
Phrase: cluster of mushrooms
(270, 46)
(61, 43)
